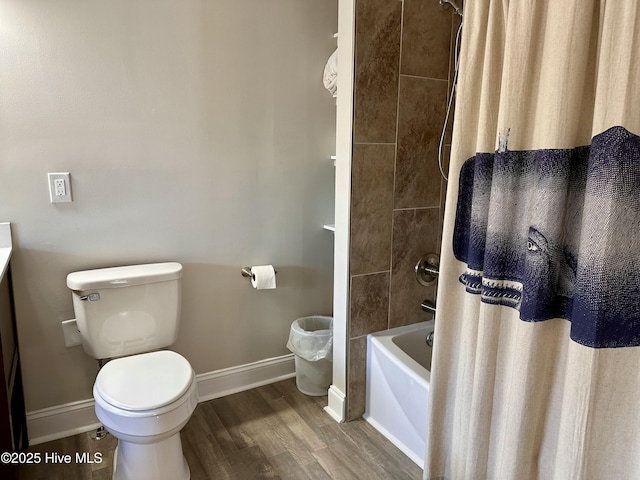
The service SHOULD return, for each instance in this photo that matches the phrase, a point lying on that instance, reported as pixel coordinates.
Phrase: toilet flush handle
(92, 297)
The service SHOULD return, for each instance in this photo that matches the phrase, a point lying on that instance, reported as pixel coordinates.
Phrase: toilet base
(152, 461)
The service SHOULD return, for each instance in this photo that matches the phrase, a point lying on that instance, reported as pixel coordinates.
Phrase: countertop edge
(5, 247)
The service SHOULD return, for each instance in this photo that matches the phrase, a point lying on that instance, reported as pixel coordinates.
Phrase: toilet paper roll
(263, 277)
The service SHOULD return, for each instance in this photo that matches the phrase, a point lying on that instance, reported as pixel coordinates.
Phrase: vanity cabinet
(13, 425)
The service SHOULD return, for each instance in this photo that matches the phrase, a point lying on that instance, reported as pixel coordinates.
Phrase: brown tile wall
(401, 85)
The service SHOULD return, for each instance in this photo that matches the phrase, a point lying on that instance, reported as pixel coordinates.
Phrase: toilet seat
(146, 381)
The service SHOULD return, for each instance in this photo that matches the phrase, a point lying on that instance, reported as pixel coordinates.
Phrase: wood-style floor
(271, 432)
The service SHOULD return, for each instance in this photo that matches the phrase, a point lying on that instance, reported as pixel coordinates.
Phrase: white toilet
(145, 395)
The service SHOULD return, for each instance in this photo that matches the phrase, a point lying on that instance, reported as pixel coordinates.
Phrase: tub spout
(428, 306)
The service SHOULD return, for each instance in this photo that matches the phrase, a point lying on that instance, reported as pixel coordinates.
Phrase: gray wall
(194, 131)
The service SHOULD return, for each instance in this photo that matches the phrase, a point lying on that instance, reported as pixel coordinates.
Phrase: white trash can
(311, 340)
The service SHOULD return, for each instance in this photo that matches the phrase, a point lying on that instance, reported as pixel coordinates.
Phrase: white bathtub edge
(401, 418)
(392, 438)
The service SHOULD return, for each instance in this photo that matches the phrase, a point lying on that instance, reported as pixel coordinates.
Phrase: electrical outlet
(61, 190)
(71, 333)
(60, 187)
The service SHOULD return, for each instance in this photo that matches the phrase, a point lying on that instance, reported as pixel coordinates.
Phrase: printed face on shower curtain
(530, 227)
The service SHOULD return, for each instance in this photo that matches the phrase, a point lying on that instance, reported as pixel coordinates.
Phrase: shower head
(454, 5)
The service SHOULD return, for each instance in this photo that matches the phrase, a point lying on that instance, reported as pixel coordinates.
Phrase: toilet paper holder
(246, 272)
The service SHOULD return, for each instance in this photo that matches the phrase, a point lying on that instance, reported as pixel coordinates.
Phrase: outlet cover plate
(60, 187)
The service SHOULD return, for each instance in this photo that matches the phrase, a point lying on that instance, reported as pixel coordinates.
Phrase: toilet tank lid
(114, 277)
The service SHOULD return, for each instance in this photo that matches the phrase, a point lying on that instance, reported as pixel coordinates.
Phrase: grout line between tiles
(415, 208)
(370, 273)
(395, 165)
(425, 78)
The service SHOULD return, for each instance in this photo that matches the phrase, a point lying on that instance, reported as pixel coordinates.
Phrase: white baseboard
(245, 377)
(77, 417)
(336, 407)
(61, 421)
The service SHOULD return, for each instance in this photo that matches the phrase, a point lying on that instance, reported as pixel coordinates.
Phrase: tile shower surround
(402, 75)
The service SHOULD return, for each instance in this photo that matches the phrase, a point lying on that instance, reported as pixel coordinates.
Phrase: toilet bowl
(144, 395)
(144, 401)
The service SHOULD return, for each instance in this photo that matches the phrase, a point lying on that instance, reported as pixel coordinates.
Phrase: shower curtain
(536, 369)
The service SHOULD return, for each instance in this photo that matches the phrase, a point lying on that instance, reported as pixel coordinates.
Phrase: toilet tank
(127, 310)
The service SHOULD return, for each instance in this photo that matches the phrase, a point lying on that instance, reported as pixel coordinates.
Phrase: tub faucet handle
(427, 269)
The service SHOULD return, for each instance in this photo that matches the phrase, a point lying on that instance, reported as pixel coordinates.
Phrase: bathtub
(397, 388)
